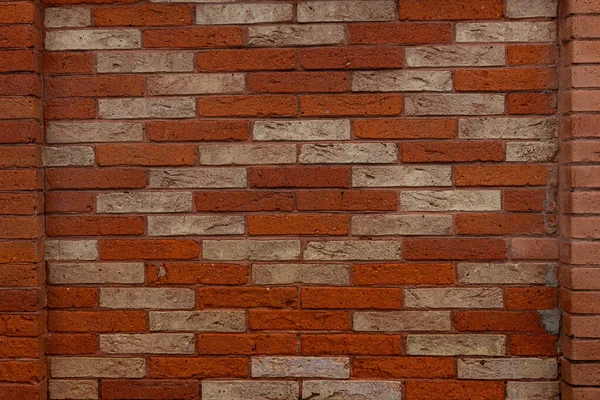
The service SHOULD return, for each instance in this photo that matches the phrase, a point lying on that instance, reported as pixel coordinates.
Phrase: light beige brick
(58, 17)
(93, 39)
(67, 156)
(195, 225)
(349, 153)
(351, 390)
(507, 368)
(157, 298)
(455, 56)
(454, 104)
(157, 107)
(302, 130)
(506, 32)
(401, 81)
(455, 345)
(453, 298)
(353, 250)
(196, 84)
(247, 390)
(507, 128)
(331, 11)
(506, 274)
(406, 225)
(73, 389)
(198, 321)
(95, 273)
(148, 343)
(97, 367)
(247, 154)
(540, 151)
(60, 250)
(287, 274)
(401, 321)
(144, 202)
(531, 8)
(198, 178)
(532, 391)
(451, 200)
(89, 132)
(234, 14)
(295, 35)
(253, 250)
(144, 62)
(300, 367)
(400, 175)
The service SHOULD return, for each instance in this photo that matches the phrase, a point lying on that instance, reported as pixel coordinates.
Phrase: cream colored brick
(253, 250)
(353, 250)
(540, 151)
(97, 367)
(532, 391)
(400, 175)
(351, 390)
(287, 274)
(349, 153)
(506, 274)
(507, 368)
(225, 154)
(455, 56)
(147, 107)
(300, 367)
(144, 62)
(200, 178)
(234, 14)
(89, 132)
(177, 84)
(73, 389)
(331, 11)
(144, 202)
(531, 8)
(157, 298)
(453, 298)
(451, 200)
(94, 39)
(506, 32)
(95, 273)
(198, 321)
(455, 345)
(507, 128)
(401, 81)
(61, 250)
(406, 225)
(401, 321)
(454, 104)
(148, 343)
(58, 17)
(335, 129)
(295, 35)
(67, 156)
(247, 390)
(195, 225)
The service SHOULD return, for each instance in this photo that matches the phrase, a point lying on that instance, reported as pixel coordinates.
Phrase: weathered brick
(451, 200)
(198, 321)
(300, 367)
(247, 154)
(402, 81)
(299, 320)
(96, 367)
(72, 250)
(299, 224)
(148, 343)
(193, 37)
(198, 367)
(95, 273)
(247, 344)
(454, 298)
(94, 39)
(401, 321)
(351, 58)
(182, 84)
(197, 273)
(143, 15)
(507, 128)
(454, 249)
(198, 178)
(302, 177)
(403, 367)
(294, 82)
(295, 35)
(132, 108)
(454, 104)
(61, 109)
(157, 298)
(501, 175)
(350, 104)
(234, 14)
(67, 156)
(247, 60)
(401, 176)
(459, 389)
(195, 225)
(506, 32)
(532, 9)
(452, 345)
(541, 151)
(248, 106)
(302, 130)
(93, 225)
(531, 54)
(328, 11)
(404, 225)
(197, 130)
(116, 389)
(74, 389)
(339, 200)
(253, 250)
(359, 153)
(373, 390)
(353, 250)
(67, 17)
(286, 274)
(414, 128)
(243, 201)
(532, 390)
(94, 132)
(455, 56)
(144, 202)
(144, 62)
(242, 390)
(97, 321)
(253, 297)
(508, 368)
(516, 273)
(404, 33)
(450, 10)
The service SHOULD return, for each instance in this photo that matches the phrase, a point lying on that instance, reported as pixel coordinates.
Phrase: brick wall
(286, 199)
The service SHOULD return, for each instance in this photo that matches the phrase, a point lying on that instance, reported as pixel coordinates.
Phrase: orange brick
(21, 227)
(531, 298)
(293, 82)
(22, 325)
(247, 106)
(533, 345)
(146, 15)
(17, 37)
(162, 131)
(145, 154)
(531, 54)
(403, 367)
(97, 321)
(17, 13)
(117, 389)
(246, 344)
(250, 297)
(346, 200)
(451, 151)
(94, 86)
(20, 85)
(403, 274)
(319, 345)
(447, 389)
(93, 226)
(19, 108)
(19, 156)
(580, 302)
(67, 63)
(416, 128)
(534, 248)
(149, 249)
(67, 202)
(351, 58)
(87, 178)
(501, 175)
(15, 300)
(20, 132)
(21, 179)
(246, 60)
(528, 200)
(21, 275)
(21, 347)
(298, 224)
(67, 343)
(504, 224)
(21, 203)
(11, 252)
(352, 298)
(70, 109)
(272, 177)
(22, 371)
(419, 33)
(18, 60)
(244, 201)
(531, 103)
(507, 321)
(350, 104)
(299, 320)
(198, 367)
(504, 80)
(71, 297)
(197, 274)
(192, 37)
(450, 9)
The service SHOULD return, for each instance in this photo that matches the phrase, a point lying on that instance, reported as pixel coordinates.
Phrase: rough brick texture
(322, 199)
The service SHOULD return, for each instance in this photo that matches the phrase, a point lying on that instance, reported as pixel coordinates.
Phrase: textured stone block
(455, 56)
(295, 35)
(300, 367)
(453, 298)
(144, 62)
(132, 108)
(507, 368)
(246, 390)
(247, 154)
(531, 8)
(506, 32)
(198, 178)
(349, 153)
(57, 17)
(73, 389)
(451, 200)
(182, 84)
(454, 104)
(195, 225)
(68, 156)
(235, 14)
(95, 273)
(157, 298)
(332, 11)
(453, 345)
(533, 391)
(405, 225)
(286, 274)
(512, 273)
(401, 176)
(198, 321)
(353, 250)
(401, 321)
(93, 39)
(302, 130)
(402, 81)
(144, 202)
(359, 390)
(540, 151)
(253, 250)
(97, 367)
(89, 132)
(148, 343)
(507, 128)
(59, 250)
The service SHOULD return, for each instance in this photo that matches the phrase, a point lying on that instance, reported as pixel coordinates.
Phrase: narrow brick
(247, 154)
(391, 176)
(431, 389)
(71, 250)
(193, 37)
(501, 175)
(454, 104)
(234, 14)
(498, 80)
(532, 9)
(346, 200)
(247, 344)
(455, 56)
(301, 367)
(157, 298)
(506, 32)
(506, 274)
(183, 84)
(96, 367)
(97, 321)
(400, 34)
(302, 177)
(454, 249)
(94, 39)
(294, 82)
(402, 81)
(403, 225)
(144, 62)
(117, 389)
(413, 128)
(508, 128)
(198, 321)
(450, 10)
(198, 367)
(299, 224)
(454, 298)
(198, 178)
(510, 368)
(95, 273)
(67, 17)
(68, 156)
(353, 250)
(94, 132)
(403, 367)
(148, 343)
(254, 250)
(197, 130)
(224, 201)
(295, 35)
(287, 274)
(451, 200)
(75, 389)
(132, 108)
(247, 60)
(195, 225)
(523, 390)
(302, 130)
(144, 202)
(348, 153)
(372, 390)
(351, 58)
(455, 345)
(354, 104)
(330, 11)
(299, 320)
(134, 249)
(242, 390)
(540, 151)
(248, 106)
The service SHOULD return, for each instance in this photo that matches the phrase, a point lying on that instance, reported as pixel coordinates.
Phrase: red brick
(346, 200)
(351, 58)
(533, 345)
(504, 224)
(531, 103)
(146, 15)
(246, 344)
(145, 154)
(144, 249)
(224, 201)
(403, 274)
(583, 374)
(299, 320)
(87, 178)
(197, 131)
(403, 367)
(18, 60)
(318, 345)
(503, 321)
(307, 177)
(94, 86)
(19, 156)
(18, 13)
(528, 200)
(298, 224)
(293, 82)
(17, 37)
(247, 297)
(97, 321)
(72, 297)
(197, 274)
(67, 343)
(21, 300)
(580, 349)
(22, 325)
(21, 347)
(198, 367)
(501, 175)
(149, 389)
(11, 252)
(531, 298)
(21, 203)
(69, 202)
(421, 10)
(418, 33)
(579, 302)
(22, 371)
(20, 132)
(350, 104)
(192, 37)
(454, 249)
(248, 106)
(20, 85)
(454, 390)
(70, 109)
(534, 248)
(22, 391)
(19, 108)
(67, 63)
(21, 227)
(93, 226)
(352, 298)
(490, 80)
(425, 152)
(415, 128)
(21, 275)
(246, 60)
(532, 54)
(21, 179)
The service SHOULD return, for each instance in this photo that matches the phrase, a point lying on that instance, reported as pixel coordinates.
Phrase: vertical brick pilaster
(22, 270)
(580, 184)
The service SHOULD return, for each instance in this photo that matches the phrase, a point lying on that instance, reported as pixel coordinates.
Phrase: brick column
(22, 298)
(580, 164)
